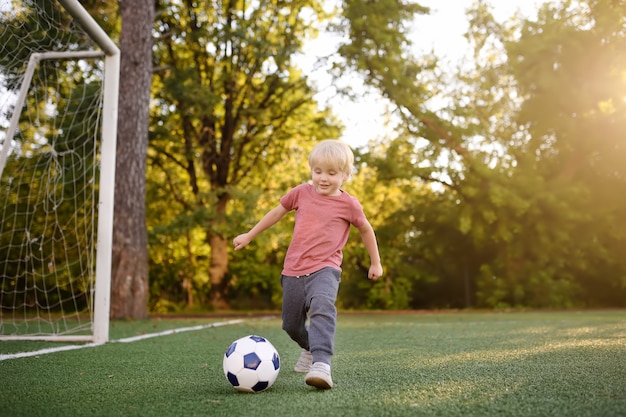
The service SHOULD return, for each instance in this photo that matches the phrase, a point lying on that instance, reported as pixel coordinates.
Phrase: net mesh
(49, 184)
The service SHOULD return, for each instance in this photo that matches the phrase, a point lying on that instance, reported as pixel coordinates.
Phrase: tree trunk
(218, 267)
(129, 281)
(217, 272)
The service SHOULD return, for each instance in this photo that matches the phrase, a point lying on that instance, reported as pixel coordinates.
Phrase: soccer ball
(251, 364)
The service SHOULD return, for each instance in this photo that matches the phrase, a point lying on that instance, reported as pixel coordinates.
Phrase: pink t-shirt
(321, 229)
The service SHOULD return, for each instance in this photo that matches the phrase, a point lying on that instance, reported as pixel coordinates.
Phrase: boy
(312, 267)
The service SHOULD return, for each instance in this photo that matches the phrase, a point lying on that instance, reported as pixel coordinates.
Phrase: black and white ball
(251, 364)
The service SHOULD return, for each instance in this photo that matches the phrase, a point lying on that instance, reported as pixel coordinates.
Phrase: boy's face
(327, 178)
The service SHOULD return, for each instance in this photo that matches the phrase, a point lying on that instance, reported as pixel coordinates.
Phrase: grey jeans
(312, 296)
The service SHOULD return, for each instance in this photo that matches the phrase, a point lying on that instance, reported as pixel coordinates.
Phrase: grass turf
(448, 364)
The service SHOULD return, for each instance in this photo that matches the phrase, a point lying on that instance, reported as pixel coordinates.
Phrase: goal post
(102, 304)
(59, 82)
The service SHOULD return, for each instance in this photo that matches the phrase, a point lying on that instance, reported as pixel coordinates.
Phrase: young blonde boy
(312, 267)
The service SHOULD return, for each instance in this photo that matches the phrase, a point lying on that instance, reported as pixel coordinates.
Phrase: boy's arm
(269, 220)
(369, 240)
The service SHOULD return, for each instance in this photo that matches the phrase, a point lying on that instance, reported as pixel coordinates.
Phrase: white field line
(123, 340)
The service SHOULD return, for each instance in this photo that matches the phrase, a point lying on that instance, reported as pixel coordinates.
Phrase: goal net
(58, 101)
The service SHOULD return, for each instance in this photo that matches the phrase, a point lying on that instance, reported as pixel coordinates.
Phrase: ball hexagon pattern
(251, 364)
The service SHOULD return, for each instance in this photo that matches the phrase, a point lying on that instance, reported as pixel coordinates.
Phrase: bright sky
(441, 31)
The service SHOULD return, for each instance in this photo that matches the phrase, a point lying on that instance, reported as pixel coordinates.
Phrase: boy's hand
(375, 272)
(240, 241)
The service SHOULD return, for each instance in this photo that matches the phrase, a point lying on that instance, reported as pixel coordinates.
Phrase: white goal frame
(111, 53)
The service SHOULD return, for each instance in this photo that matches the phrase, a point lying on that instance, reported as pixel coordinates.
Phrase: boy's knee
(288, 327)
(323, 305)
(297, 333)
(294, 328)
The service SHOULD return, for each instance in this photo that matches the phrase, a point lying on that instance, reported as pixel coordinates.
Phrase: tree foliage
(499, 186)
(229, 107)
(521, 154)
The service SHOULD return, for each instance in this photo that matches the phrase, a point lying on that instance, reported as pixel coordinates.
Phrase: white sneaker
(319, 376)
(304, 362)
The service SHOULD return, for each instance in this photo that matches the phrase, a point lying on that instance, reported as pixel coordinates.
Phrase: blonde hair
(333, 152)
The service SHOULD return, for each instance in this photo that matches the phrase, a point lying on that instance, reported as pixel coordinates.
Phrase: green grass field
(405, 364)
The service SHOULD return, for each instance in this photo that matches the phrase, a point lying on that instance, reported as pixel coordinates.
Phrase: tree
(570, 67)
(129, 284)
(516, 186)
(429, 147)
(230, 105)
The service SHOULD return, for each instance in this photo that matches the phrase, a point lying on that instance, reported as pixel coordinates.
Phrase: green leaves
(231, 108)
(499, 187)
(527, 147)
